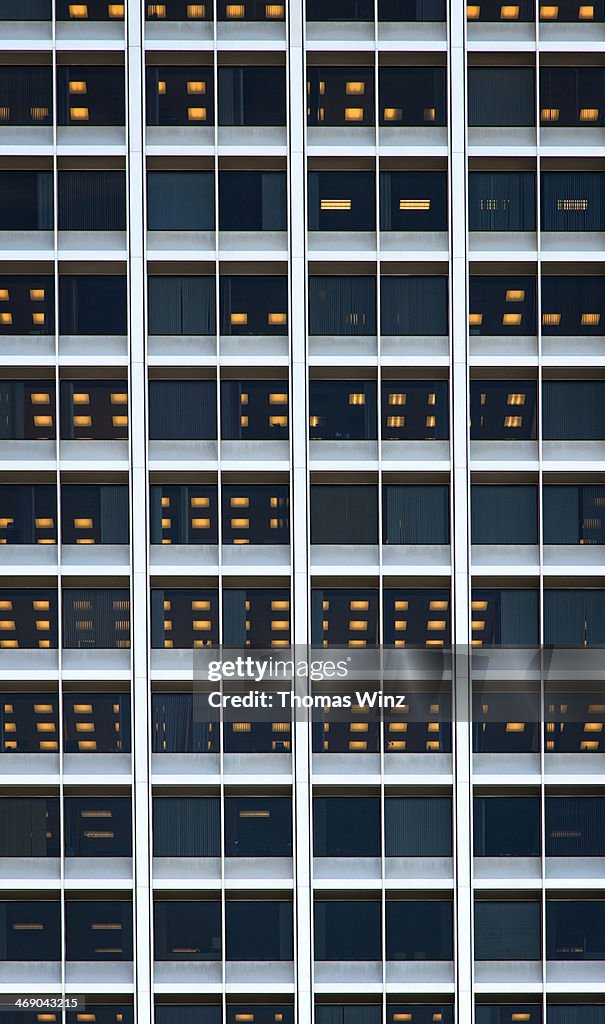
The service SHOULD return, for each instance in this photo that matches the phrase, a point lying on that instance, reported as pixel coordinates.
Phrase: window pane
(96, 723)
(344, 618)
(259, 930)
(411, 10)
(179, 96)
(342, 306)
(414, 410)
(502, 306)
(256, 514)
(98, 826)
(504, 515)
(347, 930)
(30, 930)
(412, 97)
(573, 201)
(505, 722)
(413, 306)
(574, 515)
(180, 201)
(94, 514)
(182, 409)
(184, 514)
(29, 619)
(92, 305)
(572, 97)
(416, 514)
(532, 1014)
(258, 826)
(574, 618)
(341, 201)
(179, 727)
(251, 96)
(98, 930)
(501, 97)
(504, 617)
(419, 930)
(413, 201)
(342, 410)
(92, 201)
(254, 305)
(256, 617)
(344, 514)
(182, 305)
(575, 930)
(252, 201)
(418, 826)
(184, 619)
(186, 826)
(503, 410)
(28, 514)
(502, 200)
(187, 1014)
(26, 95)
(340, 10)
(96, 619)
(573, 306)
(27, 306)
(29, 826)
(417, 618)
(346, 826)
(99, 102)
(254, 410)
(30, 723)
(26, 200)
(187, 930)
(507, 930)
(575, 826)
(506, 826)
(94, 410)
(338, 97)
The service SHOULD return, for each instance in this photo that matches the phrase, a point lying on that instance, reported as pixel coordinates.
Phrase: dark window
(25, 10)
(94, 514)
(505, 1013)
(26, 200)
(574, 514)
(252, 10)
(258, 826)
(411, 10)
(104, 1014)
(413, 306)
(94, 410)
(184, 619)
(92, 10)
(92, 201)
(182, 305)
(28, 514)
(96, 723)
(183, 514)
(342, 410)
(417, 618)
(503, 410)
(507, 930)
(346, 826)
(96, 619)
(182, 409)
(573, 410)
(252, 201)
(180, 200)
(98, 930)
(507, 618)
(502, 200)
(416, 514)
(27, 305)
(502, 306)
(254, 410)
(92, 305)
(27, 410)
(587, 1013)
(341, 201)
(344, 618)
(258, 930)
(186, 826)
(419, 930)
(503, 514)
(29, 827)
(501, 97)
(188, 930)
(572, 97)
(251, 96)
(179, 96)
(575, 826)
(180, 724)
(340, 10)
(347, 930)
(26, 95)
(254, 305)
(188, 1013)
(179, 10)
(339, 96)
(98, 826)
(494, 11)
(574, 618)
(29, 619)
(412, 97)
(90, 95)
(423, 725)
(415, 410)
(30, 930)
(505, 722)
(418, 826)
(342, 306)
(256, 618)
(344, 514)
(506, 826)
(21, 714)
(575, 930)
(573, 201)
(256, 514)
(413, 201)
(573, 306)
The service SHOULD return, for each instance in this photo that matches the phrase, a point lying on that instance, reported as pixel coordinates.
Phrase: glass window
(96, 619)
(503, 514)
(251, 10)
(418, 826)
(182, 305)
(344, 514)
(574, 719)
(353, 730)
(179, 10)
(96, 723)
(28, 514)
(587, 1013)
(94, 410)
(29, 827)
(417, 618)
(188, 1013)
(92, 201)
(258, 826)
(501, 97)
(413, 201)
(573, 410)
(502, 200)
(92, 10)
(252, 201)
(342, 410)
(340, 10)
(569, 11)
(180, 200)
(254, 410)
(422, 1013)
(251, 96)
(503, 410)
(573, 201)
(184, 618)
(180, 725)
(261, 1013)
(179, 96)
(412, 97)
(573, 306)
(254, 305)
(188, 930)
(348, 930)
(507, 930)
(94, 514)
(98, 930)
(575, 930)
(411, 10)
(574, 514)
(505, 721)
(256, 514)
(26, 95)
(419, 929)
(416, 514)
(504, 1013)
(26, 200)
(502, 306)
(344, 618)
(186, 826)
(575, 826)
(256, 618)
(413, 306)
(90, 95)
(182, 409)
(341, 201)
(495, 11)
(346, 826)
(30, 723)
(423, 724)
(415, 410)
(98, 826)
(507, 618)
(29, 619)
(506, 826)
(25, 10)
(574, 618)
(572, 97)
(27, 410)
(30, 930)
(27, 305)
(184, 514)
(342, 306)
(259, 930)
(338, 96)
(261, 736)
(92, 304)
(104, 1014)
